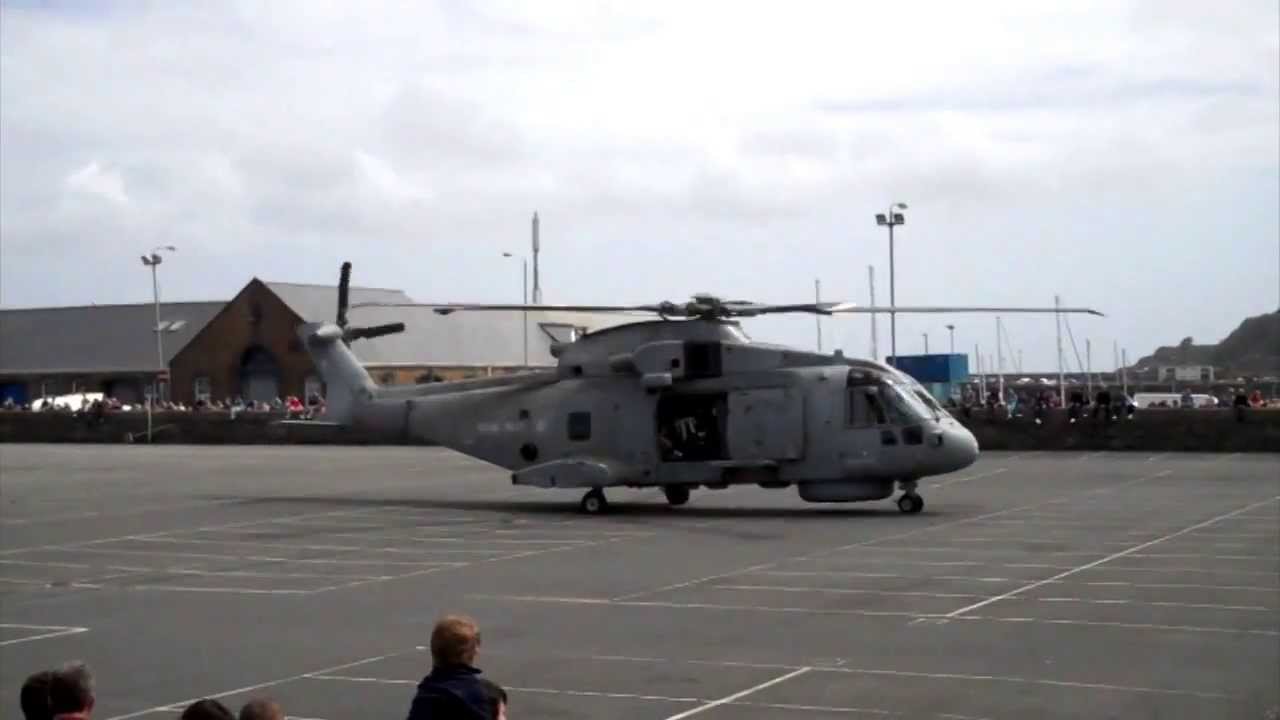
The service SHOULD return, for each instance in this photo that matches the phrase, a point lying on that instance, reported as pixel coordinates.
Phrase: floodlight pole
(524, 299)
(926, 343)
(1062, 383)
(892, 219)
(951, 330)
(153, 260)
(871, 285)
(817, 319)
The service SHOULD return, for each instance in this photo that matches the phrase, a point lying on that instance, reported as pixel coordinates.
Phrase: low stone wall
(175, 428)
(1162, 430)
(1150, 430)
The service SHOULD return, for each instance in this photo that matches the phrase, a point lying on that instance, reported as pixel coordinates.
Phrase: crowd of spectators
(454, 689)
(100, 405)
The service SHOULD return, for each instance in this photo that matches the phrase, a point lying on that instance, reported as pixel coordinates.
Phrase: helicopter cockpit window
(903, 407)
(930, 402)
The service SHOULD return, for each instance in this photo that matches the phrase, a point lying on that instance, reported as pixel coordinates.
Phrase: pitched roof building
(247, 346)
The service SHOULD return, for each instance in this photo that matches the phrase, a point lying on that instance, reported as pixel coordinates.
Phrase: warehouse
(247, 346)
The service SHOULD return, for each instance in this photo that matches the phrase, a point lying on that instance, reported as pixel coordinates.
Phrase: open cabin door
(766, 424)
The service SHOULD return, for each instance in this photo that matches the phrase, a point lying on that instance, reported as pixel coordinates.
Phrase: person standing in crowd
(453, 689)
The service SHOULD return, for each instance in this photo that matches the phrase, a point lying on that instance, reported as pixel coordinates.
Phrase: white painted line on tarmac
(738, 695)
(844, 591)
(967, 478)
(514, 688)
(845, 573)
(250, 523)
(57, 631)
(842, 667)
(605, 602)
(108, 514)
(920, 593)
(896, 536)
(1153, 603)
(223, 590)
(258, 686)
(1114, 556)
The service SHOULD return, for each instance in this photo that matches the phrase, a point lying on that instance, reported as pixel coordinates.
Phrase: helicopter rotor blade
(344, 282)
(852, 308)
(447, 308)
(711, 308)
(366, 333)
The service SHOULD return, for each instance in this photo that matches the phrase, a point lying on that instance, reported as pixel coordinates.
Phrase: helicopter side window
(865, 408)
(579, 426)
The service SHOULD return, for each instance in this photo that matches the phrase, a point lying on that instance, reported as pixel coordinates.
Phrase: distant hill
(1252, 349)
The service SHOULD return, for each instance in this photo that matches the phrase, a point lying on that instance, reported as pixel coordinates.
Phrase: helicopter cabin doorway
(691, 427)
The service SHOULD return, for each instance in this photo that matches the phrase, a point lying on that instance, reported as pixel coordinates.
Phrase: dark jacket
(451, 693)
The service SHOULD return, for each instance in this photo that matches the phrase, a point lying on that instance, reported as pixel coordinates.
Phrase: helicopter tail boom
(348, 383)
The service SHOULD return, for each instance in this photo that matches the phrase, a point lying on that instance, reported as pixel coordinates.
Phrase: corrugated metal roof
(119, 338)
(468, 338)
(96, 338)
(314, 303)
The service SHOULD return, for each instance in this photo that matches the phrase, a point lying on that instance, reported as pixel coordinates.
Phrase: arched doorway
(259, 375)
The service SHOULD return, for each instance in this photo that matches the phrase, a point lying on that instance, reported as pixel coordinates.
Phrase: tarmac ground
(1046, 585)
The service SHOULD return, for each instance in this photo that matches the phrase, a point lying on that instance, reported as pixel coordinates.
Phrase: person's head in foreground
(261, 709)
(71, 692)
(455, 641)
(207, 709)
(34, 697)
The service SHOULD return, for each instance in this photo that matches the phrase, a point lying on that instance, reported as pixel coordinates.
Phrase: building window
(579, 426)
(203, 388)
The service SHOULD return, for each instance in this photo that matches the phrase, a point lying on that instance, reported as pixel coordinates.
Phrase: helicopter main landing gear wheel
(910, 501)
(676, 494)
(594, 502)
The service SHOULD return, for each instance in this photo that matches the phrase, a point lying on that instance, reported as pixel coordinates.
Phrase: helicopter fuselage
(689, 404)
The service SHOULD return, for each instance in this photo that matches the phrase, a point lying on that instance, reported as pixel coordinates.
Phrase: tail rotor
(357, 333)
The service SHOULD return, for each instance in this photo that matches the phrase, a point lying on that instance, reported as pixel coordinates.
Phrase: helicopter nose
(955, 448)
(964, 446)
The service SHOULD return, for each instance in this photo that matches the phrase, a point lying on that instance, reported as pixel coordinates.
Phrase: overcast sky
(1122, 154)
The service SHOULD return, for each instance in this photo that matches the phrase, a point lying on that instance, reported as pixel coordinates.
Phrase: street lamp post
(951, 329)
(891, 219)
(153, 261)
(524, 299)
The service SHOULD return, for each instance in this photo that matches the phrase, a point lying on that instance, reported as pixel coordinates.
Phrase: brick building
(247, 346)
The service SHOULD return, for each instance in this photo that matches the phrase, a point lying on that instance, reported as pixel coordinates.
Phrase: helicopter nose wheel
(910, 502)
(594, 502)
(676, 494)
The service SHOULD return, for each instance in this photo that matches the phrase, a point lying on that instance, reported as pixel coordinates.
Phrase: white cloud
(93, 180)
(670, 147)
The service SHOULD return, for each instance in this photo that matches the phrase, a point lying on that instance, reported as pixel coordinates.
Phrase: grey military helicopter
(680, 402)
